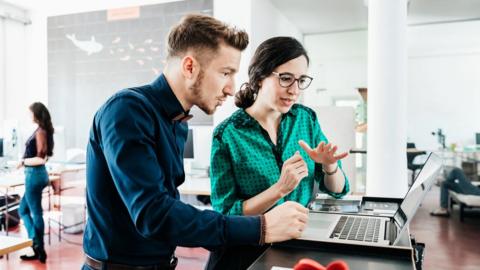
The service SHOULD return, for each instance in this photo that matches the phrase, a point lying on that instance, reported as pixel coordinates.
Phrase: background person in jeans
(37, 149)
(457, 182)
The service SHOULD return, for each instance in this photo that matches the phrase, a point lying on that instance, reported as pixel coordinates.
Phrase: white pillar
(238, 14)
(387, 69)
(3, 68)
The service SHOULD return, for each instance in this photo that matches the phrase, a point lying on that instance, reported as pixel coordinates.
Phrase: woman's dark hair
(269, 55)
(42, 117)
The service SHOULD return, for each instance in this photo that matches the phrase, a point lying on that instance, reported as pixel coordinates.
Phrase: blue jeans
(30, 210)
(457, 182)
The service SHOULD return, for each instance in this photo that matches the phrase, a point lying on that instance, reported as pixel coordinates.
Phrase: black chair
(411, 155)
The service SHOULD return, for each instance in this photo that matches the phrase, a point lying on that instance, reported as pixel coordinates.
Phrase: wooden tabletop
(10, 244)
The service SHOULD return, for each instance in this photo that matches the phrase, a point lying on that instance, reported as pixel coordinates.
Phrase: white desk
(70, 174)
(195, 186)
(17, 178)
(12, 180)
(10, 244)
(59, 168)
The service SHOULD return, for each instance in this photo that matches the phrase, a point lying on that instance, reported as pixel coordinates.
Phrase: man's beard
(197, 94)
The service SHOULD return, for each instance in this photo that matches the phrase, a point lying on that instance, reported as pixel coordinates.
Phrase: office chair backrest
(411, 156)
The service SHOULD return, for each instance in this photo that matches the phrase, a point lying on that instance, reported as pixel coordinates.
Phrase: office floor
(70, 256)
(450, 245)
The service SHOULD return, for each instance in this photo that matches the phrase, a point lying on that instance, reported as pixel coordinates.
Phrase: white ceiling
(310, 16)
(322, 16)
(58, 7)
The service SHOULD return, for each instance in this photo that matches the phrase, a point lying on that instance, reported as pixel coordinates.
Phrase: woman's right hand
(294, 170)
(19, 165)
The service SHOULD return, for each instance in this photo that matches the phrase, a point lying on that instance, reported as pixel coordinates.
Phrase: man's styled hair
(203, 34)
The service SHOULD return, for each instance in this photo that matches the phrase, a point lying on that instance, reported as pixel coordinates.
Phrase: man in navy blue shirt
(135, 161)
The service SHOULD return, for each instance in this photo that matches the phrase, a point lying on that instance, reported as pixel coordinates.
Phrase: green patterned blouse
(245, 162)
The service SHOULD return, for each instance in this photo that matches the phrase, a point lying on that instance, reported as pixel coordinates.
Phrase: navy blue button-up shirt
(134, 166)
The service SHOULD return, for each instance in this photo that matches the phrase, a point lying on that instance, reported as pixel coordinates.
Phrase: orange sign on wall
(123, 13)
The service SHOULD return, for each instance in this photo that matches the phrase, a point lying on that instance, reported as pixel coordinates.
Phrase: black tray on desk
(382, 204)
(288, 253)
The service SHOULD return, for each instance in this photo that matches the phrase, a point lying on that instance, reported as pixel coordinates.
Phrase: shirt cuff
(243, 230)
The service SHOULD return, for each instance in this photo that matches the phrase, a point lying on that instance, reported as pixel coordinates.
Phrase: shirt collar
(293, 111)
(243, 119)
(171, 106)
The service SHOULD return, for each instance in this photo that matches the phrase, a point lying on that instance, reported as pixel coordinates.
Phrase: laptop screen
(415, 195)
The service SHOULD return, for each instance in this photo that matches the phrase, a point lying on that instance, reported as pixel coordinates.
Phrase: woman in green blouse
(261, 154)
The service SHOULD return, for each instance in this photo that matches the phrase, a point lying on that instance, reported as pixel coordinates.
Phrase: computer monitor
(1, 147)
(188, 151)
(477, 138)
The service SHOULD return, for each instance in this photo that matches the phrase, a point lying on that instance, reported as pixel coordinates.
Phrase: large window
(13, 24)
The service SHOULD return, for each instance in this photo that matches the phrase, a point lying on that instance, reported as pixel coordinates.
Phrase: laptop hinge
(315, 190)
(390, 231)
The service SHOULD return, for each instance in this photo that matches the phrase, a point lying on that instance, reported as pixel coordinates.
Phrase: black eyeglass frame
(279, 76)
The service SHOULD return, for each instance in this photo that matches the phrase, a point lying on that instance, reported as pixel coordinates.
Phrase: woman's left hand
(324, 154)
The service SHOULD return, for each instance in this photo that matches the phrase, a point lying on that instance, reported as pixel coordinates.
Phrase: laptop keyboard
(357, 229)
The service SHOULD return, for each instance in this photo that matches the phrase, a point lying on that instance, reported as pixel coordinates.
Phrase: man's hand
(285, 222)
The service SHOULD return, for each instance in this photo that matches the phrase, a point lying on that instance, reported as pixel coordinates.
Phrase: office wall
(268, 21)
(37, 67)
(338, 66)
(94, 54)
(443, 81)
(338, 125)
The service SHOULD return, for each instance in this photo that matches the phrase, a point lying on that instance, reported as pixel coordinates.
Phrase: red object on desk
(309, 264)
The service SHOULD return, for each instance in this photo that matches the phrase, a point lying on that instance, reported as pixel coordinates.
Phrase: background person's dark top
(40, 144)
(134, 166)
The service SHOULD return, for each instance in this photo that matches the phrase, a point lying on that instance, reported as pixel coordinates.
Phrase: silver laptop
(374, 230)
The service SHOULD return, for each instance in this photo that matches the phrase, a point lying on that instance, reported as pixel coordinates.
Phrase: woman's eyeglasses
(288, 79)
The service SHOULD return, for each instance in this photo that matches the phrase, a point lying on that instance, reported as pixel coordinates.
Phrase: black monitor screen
(1, 147)
(477, 138)
(188, 151)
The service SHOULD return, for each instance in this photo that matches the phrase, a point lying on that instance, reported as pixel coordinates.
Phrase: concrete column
(387, 69)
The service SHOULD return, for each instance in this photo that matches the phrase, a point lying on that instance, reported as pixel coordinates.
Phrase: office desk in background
(70, 175)
(408, 150)
(10, 244)
(59, 168)
(195, 185)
